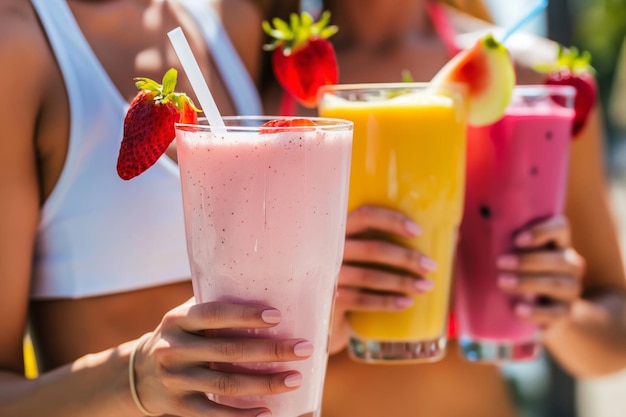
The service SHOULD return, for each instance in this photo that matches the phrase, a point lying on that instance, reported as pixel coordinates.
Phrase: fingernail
(524, 239)
(404, 302)
(507, 262)
(264, 414)
(508, 281)
(424, 285)
(428, 264)
(271, 316)
(413, 228)
(293, 380)
(523, 310)
(303, 349)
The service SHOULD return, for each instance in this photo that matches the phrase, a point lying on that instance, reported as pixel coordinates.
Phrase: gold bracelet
(131, 376)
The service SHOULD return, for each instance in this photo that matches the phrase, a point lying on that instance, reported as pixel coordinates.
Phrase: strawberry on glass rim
(149, 123)
(303, 59)
(574, 68)
(286, 124)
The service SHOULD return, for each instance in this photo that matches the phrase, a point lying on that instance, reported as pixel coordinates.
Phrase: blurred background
(598, 26)
(542, 389)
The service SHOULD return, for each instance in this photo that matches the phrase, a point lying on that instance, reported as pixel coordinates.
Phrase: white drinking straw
(200, 87)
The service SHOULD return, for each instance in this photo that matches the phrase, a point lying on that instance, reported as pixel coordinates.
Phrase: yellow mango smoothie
(409, 150)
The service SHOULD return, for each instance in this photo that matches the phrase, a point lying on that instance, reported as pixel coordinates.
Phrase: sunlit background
(599, 26)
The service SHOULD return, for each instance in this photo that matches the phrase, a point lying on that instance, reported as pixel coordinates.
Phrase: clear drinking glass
(408, 154)
(516, 176)
(265, 217)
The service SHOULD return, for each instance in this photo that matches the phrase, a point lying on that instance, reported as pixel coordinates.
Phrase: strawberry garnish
(149, 123)
(285, 125)
(574, 68)
(303, 59)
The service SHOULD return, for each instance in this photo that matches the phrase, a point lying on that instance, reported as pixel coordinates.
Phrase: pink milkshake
(265, 214)
(516, 175)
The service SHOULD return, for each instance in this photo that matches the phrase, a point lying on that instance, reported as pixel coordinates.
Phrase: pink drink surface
(516, 175)
(265, 218)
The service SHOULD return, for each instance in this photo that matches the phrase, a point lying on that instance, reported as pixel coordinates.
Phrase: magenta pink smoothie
(516, 175)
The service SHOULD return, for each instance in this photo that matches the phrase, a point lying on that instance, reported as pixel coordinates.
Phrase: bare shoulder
(24, 50)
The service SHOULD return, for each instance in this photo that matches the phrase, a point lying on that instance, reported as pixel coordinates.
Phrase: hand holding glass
(265, 213)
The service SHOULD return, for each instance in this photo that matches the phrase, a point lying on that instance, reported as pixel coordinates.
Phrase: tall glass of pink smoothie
(516, 176)
(265, 217)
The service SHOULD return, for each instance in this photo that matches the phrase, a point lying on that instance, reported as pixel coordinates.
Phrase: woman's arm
(169, 369)
(21, 75)
(593, 339)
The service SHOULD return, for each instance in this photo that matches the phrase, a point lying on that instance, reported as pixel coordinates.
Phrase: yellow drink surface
(409, 155)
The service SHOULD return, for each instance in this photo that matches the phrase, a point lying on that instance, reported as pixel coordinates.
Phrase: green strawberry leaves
(571, 59)
(303, 59)
(573, 68)
(165, 92)
(293, 35)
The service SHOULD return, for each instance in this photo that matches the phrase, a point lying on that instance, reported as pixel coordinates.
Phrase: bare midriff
(67, 329)
(451, 387)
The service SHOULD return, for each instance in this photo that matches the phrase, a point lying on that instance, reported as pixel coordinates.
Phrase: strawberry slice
(149, 123)
(574, 68)
(285, 125)
(303, 59)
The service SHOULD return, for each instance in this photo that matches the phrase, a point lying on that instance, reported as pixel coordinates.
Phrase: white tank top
(97, 233)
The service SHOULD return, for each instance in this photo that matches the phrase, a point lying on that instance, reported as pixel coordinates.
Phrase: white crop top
(98, 234)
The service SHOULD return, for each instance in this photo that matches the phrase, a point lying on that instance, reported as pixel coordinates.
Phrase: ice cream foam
(296, 137)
